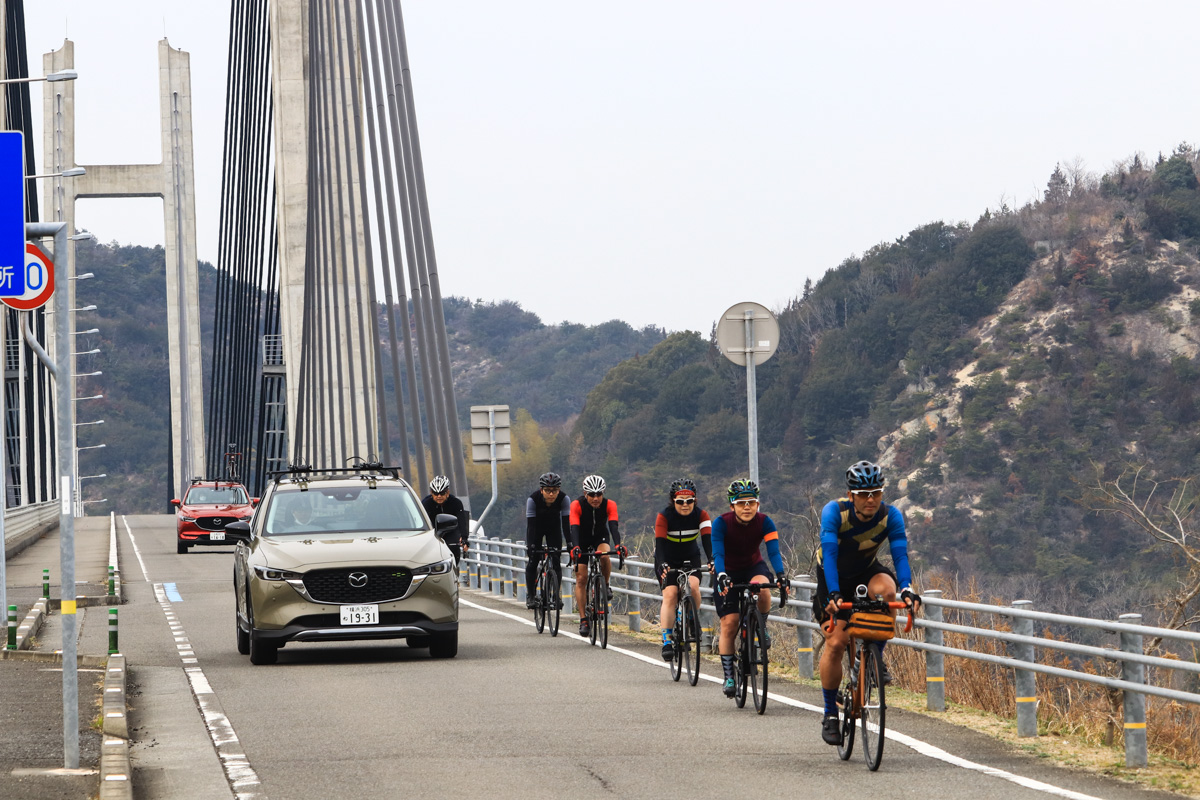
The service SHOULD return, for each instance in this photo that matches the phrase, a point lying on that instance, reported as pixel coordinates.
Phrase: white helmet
(439, 484)
(593, 483)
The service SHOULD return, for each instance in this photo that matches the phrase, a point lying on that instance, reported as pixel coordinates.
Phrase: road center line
(924, 748)
(136, 552)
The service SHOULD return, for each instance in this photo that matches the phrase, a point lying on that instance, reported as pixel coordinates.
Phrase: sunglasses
(595, 494)
(867, 494)
(683, 502)
(745, 503)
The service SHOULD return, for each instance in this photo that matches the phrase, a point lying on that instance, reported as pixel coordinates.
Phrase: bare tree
(1144, 501)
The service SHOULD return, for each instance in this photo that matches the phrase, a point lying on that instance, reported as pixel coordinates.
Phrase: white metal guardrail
(498, 566)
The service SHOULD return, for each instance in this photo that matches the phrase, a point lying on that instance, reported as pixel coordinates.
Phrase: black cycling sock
(727, 665)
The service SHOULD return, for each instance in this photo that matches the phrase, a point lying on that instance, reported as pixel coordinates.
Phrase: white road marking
(924, 748)
(136, 552)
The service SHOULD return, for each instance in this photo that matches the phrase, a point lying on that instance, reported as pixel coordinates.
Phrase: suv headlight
(183, 518)
(440, 568)
(269, 574)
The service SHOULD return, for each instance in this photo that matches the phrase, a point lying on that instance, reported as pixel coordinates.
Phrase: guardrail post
(1134, 703)
(804, 648)
(935, 663)
(12, 627)
(567, 587)
(635, 602)
(497, 583)
(1026, 680)
(522, 556)
(708, 620)
(473, 564)
(510, 584)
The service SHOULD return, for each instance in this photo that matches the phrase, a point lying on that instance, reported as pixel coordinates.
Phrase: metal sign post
(748, 334)
(491, 440)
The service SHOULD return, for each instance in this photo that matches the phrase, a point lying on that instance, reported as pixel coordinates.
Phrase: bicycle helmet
(683, 486)
(742, 489)
(593, 483)
(439, 484)
(550, 480)
(864, 475)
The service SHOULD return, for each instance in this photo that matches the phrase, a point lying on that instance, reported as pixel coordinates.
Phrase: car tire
(261, 651)
(444, 645)
(243, 636)
(181, 548)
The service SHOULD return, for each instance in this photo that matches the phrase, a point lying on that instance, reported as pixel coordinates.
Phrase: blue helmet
(864, 475)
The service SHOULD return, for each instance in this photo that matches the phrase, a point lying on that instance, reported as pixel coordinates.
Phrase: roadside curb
(116, 773)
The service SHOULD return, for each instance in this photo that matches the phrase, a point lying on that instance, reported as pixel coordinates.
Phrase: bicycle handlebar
(872, 605)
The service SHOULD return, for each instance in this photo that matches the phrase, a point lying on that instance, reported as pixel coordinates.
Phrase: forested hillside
(1005, 372)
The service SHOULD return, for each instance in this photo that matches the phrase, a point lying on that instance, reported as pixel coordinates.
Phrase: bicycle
(862, 695)
(751, 656)
(595, 596)
(549, 581)
(685, 638)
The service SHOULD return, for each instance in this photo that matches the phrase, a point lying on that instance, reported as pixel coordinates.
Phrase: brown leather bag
(874, 626)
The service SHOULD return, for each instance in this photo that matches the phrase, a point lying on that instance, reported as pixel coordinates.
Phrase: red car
(206, 508)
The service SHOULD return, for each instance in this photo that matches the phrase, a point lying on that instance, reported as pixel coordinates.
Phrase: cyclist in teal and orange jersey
(852, 532)
(736, 537)
(677, 530)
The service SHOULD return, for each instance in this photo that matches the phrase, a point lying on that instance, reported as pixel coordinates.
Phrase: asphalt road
(515, 714)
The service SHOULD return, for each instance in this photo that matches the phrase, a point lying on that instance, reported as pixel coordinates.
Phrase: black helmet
(550, 480)
(682, 485)
(864, 475)
(742, 489)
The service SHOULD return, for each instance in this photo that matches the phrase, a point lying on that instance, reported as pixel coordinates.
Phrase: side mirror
(238, 531)
(444, 524)
(254, 502)
(175, 502)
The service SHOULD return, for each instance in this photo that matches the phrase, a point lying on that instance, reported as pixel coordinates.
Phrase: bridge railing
(498, 566)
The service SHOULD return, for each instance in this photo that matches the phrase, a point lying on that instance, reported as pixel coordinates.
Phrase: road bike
(752, 645)
(595, 596)
(862, 694)
(547, 590)
(685, 637)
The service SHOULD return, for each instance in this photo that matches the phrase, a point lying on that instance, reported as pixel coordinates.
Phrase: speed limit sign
(39, 281)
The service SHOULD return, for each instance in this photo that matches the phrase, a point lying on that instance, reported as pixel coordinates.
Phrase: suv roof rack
(304, 472)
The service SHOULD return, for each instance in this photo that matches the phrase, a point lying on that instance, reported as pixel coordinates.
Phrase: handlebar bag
(873, 626)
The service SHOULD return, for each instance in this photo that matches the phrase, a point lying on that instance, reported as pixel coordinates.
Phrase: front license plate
(360, 615)
(217, 536)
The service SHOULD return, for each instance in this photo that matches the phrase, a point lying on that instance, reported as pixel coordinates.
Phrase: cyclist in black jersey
(546, 524)
(677, 530)
(440, 501)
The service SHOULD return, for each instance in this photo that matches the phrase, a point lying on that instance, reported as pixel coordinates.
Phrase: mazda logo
(358, 579)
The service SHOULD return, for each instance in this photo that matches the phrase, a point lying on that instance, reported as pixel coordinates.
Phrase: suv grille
(334, 585)
(214, 523)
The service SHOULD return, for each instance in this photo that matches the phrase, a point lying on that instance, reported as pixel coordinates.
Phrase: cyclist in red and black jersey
(677, 530)
(594, 523)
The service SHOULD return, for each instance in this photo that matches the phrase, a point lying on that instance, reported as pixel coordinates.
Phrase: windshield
(216, 495)
(386, 509)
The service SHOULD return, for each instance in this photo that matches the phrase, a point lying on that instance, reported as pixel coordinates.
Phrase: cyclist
(440, 501)
(852, 532)
(593, 523)
(736, 537)
(676, 530)
(546, 521)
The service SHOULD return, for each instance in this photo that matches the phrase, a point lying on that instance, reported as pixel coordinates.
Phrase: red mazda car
(206, 508)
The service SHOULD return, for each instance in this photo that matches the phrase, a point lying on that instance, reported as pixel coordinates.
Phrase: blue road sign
(12, 214)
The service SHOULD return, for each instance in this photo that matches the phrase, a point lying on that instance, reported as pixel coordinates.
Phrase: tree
(1057, 189)
(1169, 521)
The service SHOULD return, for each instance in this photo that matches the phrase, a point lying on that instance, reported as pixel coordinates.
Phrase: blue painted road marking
(172, 593)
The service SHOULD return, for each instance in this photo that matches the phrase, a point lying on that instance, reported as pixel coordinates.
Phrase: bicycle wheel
(690, 636)
(677, 652)
(602, 612)
(874, 709)
(740, 666)
(554, 595)
(756, 658)
(846, 700)
(539, 607)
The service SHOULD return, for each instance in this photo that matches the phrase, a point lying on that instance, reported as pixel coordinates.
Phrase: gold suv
(343, 554)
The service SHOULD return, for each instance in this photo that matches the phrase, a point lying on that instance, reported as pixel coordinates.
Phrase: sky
(659, 161)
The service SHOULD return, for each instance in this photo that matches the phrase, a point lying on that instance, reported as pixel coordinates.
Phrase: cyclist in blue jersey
(736, 538)
(852, 532)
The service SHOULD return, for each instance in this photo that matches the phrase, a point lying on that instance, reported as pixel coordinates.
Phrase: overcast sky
(658, 162)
